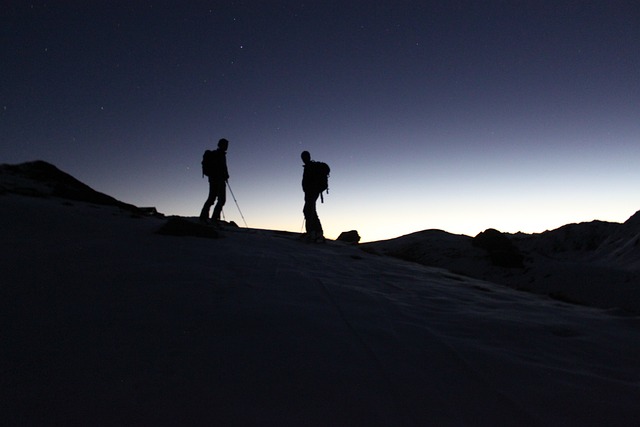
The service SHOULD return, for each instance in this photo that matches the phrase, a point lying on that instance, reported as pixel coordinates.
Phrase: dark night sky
(458, 115)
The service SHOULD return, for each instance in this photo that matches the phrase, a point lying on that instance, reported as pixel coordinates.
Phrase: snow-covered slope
(107, 322)
(595, 263)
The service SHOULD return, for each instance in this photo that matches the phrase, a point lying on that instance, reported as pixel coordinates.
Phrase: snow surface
(595, 264)
(106, 322)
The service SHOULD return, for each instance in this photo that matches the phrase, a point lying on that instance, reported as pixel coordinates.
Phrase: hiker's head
(223, 144)
(306, 157)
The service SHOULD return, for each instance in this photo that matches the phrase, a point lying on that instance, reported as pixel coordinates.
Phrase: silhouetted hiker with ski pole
(214, 166)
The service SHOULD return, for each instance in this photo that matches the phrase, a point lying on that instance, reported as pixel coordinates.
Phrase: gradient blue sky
(457, 115)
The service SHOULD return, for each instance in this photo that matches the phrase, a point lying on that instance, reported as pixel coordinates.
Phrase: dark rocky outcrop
(349, 237)
(502, 252)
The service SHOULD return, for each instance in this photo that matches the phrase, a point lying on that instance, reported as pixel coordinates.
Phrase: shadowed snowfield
(107, 322)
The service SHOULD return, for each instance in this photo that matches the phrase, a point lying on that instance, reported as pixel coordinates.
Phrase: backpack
(208, 162)
(320, 177)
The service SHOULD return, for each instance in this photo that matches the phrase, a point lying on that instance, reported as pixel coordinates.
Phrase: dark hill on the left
(42, 179)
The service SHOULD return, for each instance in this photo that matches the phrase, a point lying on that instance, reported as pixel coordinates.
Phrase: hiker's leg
(221, 194)
(310, 214)
(204, 213)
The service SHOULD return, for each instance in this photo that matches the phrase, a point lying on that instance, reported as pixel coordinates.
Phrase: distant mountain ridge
(593, 263)
(600, 242)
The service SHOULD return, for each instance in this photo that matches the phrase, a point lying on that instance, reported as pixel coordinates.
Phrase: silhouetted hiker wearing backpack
(314, 182)
(214, 165)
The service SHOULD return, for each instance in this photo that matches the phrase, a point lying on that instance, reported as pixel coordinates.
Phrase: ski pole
(238, 206)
